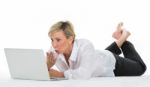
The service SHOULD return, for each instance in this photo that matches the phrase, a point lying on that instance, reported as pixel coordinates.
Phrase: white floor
(142, 81)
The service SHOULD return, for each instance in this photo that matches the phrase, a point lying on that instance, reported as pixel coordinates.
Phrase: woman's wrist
(61, 74)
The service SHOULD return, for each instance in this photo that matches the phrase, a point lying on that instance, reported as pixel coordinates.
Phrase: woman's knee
(142, 70)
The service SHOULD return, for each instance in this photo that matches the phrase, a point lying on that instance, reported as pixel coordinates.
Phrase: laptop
(27, 64)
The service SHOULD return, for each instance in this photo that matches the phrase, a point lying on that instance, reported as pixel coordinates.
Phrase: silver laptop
(27, 64)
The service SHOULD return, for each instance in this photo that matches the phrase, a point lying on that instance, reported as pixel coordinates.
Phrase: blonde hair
(65, 26)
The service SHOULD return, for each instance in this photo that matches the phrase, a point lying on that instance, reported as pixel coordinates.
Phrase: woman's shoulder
(83, 44)
(83, 41)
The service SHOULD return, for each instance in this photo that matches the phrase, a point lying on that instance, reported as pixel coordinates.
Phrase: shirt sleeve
(86, 59)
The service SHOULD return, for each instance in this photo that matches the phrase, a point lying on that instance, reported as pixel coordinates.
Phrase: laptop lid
(27, 63)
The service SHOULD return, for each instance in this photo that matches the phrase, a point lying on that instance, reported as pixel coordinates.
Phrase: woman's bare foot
(123, 37)
(117, 34)
(125, 34)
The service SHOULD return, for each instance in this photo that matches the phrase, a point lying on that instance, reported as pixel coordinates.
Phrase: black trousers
(129, 65)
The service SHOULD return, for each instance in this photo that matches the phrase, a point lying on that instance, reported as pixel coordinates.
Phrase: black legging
(131, 64)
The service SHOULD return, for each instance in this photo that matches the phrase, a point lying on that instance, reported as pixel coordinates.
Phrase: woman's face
(60, 43)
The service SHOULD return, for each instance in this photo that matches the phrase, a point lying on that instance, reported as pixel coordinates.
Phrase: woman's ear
(71, 39)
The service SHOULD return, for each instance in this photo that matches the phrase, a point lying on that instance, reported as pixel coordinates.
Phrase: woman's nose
(54, 45)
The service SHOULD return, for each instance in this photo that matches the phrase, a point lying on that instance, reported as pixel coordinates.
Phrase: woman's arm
(56, 73)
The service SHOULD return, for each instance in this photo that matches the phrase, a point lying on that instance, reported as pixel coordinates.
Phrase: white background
(25, 23)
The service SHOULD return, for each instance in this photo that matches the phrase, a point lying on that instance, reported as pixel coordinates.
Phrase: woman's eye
(52, 40)
(58, 40)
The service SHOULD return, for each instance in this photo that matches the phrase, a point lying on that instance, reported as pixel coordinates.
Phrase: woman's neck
(68, 53)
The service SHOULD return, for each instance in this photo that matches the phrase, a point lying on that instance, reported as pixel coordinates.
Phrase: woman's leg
(132, 64)
(114, 48)
(130, 52)
(117, 34)
(121, 36)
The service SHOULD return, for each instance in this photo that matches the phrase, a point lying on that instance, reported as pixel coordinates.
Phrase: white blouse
(86, 62)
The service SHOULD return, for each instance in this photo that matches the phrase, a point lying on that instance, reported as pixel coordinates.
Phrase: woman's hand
(56, 73)
(50, 59)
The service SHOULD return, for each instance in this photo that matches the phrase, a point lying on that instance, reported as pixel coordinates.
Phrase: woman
(78, 59)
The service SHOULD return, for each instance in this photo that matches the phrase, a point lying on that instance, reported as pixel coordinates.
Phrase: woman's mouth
(56, 51)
